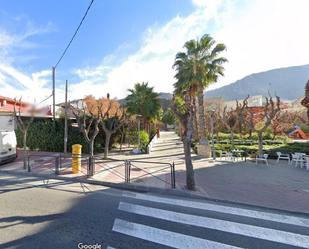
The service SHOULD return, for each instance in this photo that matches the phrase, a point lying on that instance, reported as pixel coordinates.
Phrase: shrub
(168, 117)
(144, 139)
(46, 135)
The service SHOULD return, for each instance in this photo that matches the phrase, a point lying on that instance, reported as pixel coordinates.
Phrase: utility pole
(53, 73)
(66, 118)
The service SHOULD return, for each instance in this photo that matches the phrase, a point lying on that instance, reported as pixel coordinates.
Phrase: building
(256, 101)
(77, 103)
(7, 105)
(7, 108)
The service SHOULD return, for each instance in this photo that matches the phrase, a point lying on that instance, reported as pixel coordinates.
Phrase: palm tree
(185, 83)
(182, 106)
(198, 67)
(142, 100)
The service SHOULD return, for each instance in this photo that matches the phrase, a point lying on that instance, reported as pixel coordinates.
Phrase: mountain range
(287, 83)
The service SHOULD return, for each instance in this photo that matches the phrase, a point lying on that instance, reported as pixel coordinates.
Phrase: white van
(7, 139)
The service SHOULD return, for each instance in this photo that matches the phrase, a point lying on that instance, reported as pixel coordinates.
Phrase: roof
(13, 100)
(23, 107)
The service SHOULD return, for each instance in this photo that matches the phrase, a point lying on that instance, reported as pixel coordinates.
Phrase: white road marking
(167, 238)
(221, 225)
(109, 247)
(287, 219)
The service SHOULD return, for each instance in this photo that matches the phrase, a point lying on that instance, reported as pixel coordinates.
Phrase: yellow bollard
(76, 158)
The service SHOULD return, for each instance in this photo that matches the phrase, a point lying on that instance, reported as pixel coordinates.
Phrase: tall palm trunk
(201, 119)
(187, 147)
(189, 166)
(195, 125)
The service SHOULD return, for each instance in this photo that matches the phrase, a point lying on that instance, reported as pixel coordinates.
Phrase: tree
(24, 125)
(233, 119)
(305, 101)
(198, 67)
(112, 119)
(88, 118)
(214, 108)
(259, 122)
(168, 117)
(185, 83)
(183, 109)
(142, 100)
(284, 121)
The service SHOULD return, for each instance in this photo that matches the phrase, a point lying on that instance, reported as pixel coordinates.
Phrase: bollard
(28, 166)
(129, 171)
(57, 165)
(76, 158)
(173, 177)
(126, 171)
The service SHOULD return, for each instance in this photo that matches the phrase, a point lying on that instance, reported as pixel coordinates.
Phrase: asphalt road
(54, 214)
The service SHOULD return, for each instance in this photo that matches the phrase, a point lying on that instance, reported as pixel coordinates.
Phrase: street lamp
(212, 113)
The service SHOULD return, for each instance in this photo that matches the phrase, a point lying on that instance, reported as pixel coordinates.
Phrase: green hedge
(269, 149)
(45, 135)
(266, 136)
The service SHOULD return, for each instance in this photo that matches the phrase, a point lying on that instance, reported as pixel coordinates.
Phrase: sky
(122, 42)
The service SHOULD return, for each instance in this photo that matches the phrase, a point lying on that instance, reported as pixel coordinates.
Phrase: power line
(75, 33)
(45, 99)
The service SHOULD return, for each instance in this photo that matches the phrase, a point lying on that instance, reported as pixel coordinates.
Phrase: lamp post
(139, 129)
(66, 119)
(212, 112)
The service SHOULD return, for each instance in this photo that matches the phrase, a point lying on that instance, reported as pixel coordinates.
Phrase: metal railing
(54, 157)
(129, 165)
(85, 160)
(162, 167)
(100, 165)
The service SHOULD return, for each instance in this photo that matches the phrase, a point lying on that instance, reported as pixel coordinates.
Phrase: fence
(91, 166)
(115, 167)
(160, 167)
(53, 158)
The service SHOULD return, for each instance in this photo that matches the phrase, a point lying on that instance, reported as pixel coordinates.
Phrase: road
(36, 213)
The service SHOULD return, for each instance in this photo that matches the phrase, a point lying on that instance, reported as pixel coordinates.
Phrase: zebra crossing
(168, 222)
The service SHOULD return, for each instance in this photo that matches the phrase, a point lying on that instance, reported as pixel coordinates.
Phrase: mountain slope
(288, 83)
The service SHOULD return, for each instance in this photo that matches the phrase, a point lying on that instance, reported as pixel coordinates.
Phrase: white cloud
(259, 35)
(266, 35)
(152, 62)
(14, 82)
(210, 4)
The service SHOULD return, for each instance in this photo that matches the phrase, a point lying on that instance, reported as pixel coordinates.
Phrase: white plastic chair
(223, 154)
(283, 157)
(262, 158)
(307, 162)
(230, 156)
(298, 158)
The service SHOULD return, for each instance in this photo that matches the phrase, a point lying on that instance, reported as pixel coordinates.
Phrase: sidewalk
(279, 186)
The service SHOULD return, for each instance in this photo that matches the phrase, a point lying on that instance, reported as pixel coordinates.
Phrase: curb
(156, 190)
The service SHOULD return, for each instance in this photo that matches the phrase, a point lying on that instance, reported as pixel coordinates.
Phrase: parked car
(7, 139)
